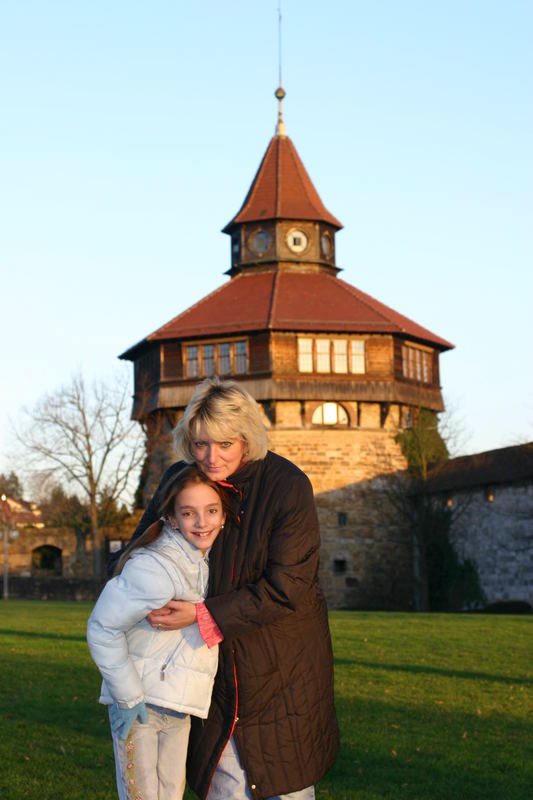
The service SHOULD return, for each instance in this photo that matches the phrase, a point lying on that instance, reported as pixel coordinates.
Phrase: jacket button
(253, 786)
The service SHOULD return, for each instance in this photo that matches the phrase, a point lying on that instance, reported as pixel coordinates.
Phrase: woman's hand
(175, 615)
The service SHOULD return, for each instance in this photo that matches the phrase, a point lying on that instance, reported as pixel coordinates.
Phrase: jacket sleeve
(125, 600)
(290, 571)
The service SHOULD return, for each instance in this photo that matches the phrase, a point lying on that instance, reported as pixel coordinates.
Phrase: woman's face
(218, 460)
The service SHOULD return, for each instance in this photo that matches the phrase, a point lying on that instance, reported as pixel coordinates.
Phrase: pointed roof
(282, 189)
(288, 301)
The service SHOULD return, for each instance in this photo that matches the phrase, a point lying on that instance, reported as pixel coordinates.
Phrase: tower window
(340, 355)
(216, 358)
(305, 355)
(342, 519)
(240, 357)
(208, 359)
(357, 357)
(340, 566)
(329, 414)
(260, 242)
(331, 355)
(224, 358)
(417, 364)
(323, 360)
(192, 361)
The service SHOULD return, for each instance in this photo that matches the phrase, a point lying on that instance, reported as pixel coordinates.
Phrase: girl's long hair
(189, 475)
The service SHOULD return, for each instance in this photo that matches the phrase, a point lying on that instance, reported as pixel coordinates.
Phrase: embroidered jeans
(150, 764)
(229, 781)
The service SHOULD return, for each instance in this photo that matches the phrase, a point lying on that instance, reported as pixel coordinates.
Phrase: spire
(282, 189)
(280, 91)
(280, 127)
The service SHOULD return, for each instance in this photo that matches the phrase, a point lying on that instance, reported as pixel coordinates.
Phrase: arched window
(329, 414)
(46, 560)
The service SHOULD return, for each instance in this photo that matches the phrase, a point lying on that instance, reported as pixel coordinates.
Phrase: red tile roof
(290, 301)
(19, 513)
(282, 189)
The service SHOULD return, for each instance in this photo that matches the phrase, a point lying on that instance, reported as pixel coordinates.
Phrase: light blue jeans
(229, 781)
(150, 764)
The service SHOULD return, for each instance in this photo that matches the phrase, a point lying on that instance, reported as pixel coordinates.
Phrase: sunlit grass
(431, 707)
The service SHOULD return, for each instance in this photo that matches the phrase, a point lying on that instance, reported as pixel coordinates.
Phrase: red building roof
(289, 301)
(282, 189)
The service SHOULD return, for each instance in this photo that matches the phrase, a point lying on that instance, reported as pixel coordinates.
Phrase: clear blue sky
(131, 131)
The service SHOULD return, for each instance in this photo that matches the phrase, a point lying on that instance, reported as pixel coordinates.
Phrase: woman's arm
(290, 572)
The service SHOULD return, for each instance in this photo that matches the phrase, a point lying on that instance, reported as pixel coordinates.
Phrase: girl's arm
(143, 585)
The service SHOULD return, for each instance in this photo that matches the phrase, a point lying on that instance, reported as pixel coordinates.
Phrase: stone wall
(498, 537)
(365, 561)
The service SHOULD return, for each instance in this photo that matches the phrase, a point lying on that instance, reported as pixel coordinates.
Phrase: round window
(260, 242)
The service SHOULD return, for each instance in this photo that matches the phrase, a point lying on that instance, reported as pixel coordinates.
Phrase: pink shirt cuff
(209, 630)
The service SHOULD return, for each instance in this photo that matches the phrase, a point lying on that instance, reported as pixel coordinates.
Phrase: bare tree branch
(83, 438)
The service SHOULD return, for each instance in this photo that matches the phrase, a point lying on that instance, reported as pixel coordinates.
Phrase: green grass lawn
(431, 707)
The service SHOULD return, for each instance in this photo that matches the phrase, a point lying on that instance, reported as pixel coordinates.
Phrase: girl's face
(217, 460)
(199, 515)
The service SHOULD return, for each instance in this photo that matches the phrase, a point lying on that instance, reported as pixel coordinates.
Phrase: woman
(271, 730)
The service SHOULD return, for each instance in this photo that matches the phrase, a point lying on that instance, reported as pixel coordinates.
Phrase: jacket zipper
(205, 560)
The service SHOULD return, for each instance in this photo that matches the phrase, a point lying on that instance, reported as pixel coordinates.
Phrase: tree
(401, 501)
(83, 439)
(422, 444)
(11, 486)
(442, 582)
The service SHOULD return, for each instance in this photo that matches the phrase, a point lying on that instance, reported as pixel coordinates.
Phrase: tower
(335, 371)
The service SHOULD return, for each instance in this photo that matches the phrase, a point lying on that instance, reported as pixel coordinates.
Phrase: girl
(154, 679)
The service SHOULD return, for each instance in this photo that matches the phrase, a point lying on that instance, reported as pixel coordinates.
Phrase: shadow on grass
(425, 670)
(36, 635)
(418, 752)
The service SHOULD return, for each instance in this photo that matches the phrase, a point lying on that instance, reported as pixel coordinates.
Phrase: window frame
(332, 355)
(224, 358)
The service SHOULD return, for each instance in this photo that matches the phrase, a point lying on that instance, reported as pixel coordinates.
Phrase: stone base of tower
(366, 561)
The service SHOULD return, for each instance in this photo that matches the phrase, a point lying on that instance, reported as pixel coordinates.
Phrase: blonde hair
(188, 476)
(228, 411)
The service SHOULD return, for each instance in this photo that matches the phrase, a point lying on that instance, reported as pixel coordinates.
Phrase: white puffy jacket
(172, 669)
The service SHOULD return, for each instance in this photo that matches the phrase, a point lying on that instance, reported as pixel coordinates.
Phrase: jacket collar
(243, 476)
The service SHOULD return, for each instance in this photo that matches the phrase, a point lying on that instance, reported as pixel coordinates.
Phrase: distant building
(335, 371)
(38, 552)
(493, 492)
